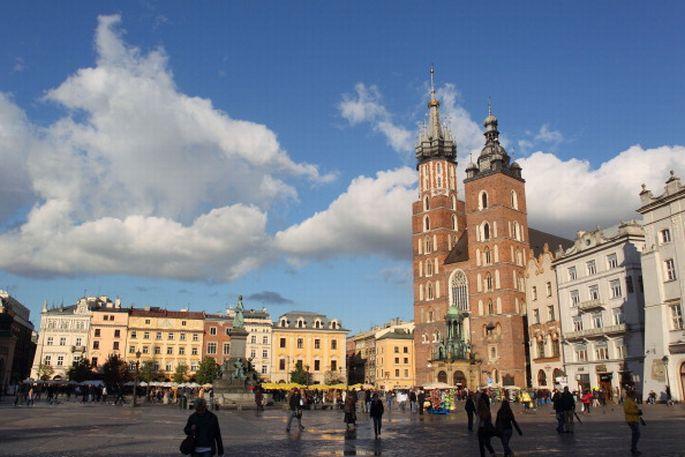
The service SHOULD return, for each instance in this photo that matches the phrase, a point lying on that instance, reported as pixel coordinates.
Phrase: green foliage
(333, 377)
(80, 371)
(149, 371)
(181, 373)
(208, 371)
(45, 372)
(114, 371)
(300, 375)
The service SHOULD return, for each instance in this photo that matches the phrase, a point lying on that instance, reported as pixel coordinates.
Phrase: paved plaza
(101, 430)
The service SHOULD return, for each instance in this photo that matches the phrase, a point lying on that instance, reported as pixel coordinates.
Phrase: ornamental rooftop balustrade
(597, 332)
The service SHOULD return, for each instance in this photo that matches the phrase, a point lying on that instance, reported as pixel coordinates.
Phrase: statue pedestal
(230, 390)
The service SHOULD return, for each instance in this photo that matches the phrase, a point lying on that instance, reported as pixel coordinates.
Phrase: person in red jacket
(586, 399)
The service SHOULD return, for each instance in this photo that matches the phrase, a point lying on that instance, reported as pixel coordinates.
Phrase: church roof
(536, 238)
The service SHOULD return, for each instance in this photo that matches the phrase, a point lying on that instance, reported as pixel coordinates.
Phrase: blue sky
(587, 96)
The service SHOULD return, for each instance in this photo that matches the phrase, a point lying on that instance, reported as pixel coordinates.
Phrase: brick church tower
(498, 246)
(437, 223)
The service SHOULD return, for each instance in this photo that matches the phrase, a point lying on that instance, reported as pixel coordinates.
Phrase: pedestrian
(388, 399)
(258, 398)
(376, 412)
(633, 418)
(558, 407)
(413, 407)
(470, 408)
(29, 397)
(203, 428)
(569, 406)
(505, 423)
(422, 399)
(295, 403)
(485, 428)
(586, 399)
(350, 409)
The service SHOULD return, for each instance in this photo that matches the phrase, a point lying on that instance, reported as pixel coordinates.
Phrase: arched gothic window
(514, 200)
(483, 200)
(491, 307)
(428, 245)
(426, 224)
(459, 292)
(429, 267)
(426, 205)
(486, 231)
(454, 222)
(429, 291)
(487, 257)
(454, 202)
(488, 282)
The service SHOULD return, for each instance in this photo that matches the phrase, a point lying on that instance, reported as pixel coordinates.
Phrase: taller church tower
(437, 224)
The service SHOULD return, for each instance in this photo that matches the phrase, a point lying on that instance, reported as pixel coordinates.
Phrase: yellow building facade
(395, 360)
(108, 332)
(167, 338)
(312, 339)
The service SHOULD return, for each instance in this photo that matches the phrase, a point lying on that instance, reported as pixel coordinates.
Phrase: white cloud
(126, 181)
(547, 135)
(565, 196)
(15, 140)
(372, 217)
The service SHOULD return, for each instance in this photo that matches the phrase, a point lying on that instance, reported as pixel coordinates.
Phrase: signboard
(601, 368)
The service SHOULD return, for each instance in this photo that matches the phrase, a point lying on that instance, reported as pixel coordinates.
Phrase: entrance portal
(605, 384)
(459, 378)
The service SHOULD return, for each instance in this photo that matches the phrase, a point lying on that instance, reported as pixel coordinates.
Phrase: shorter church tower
(498, 246)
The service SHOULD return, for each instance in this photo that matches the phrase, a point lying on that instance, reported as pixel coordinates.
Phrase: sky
(181, 155)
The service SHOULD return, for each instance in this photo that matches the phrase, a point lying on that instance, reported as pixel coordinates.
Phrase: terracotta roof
(397, 334)
(158, 312)
(460, 251)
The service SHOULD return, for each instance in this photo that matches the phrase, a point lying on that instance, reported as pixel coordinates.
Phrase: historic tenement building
(544, 329)
(469, 261)
(395, 359)
(601, 305)
(663, 269)
(312, 340)
(108, 332)
(217, 340)
(16, 345)
(63, 337)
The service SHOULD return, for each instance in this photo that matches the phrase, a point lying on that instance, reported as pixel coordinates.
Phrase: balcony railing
(596, 332)
(590, 305)
(78, 349)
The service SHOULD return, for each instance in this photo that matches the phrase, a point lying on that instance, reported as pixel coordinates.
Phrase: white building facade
(258, 345)
(602, 309)
(663, 268)
(63, 336)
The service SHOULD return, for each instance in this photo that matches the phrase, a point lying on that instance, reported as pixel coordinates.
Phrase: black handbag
(187, 445)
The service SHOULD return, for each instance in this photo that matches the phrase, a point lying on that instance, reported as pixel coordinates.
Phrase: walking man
(295, 403)
(569, 407)
(505, 423)
(376, 412)
(485, 428)
(633, 417)
(470, 408)
(559, 410)
(203, 426)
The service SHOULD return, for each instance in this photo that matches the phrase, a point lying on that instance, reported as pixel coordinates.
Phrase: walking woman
(485, 428)
(376, 412)
(350, 409)
(505, 423)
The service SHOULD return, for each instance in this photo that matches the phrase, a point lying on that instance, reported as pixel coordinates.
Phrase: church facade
(469, 257)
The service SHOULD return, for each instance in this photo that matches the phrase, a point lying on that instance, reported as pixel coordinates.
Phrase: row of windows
(65, 324)
(212, 348)
(427, 223)
(426, 173)
(117, 333)
(157, 350)
(316, 367)
(548, 290)
(591, 267)
(453, 203)
(170, 336)
(300, 343)
(380, 373)
(485, 231)
(149, 322)
(596, 320)
(63, 341)
(301, 323)
(405, 360)
(615, 289)
(551, 315)
(96, 345)
(601, 351)
(541, 348)
(484, 201)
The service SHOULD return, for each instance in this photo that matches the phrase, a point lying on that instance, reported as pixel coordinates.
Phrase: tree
(180, 373)
(80, 371)
(114, 371)
(300, 375)
(44, 372)
(149, 372)
(208, 371)
(333, 377)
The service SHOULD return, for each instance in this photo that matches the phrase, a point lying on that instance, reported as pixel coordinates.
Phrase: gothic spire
(434, 126)
(435, 140)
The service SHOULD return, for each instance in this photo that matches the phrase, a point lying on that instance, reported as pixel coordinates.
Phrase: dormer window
(317, 323)
(334, 325)
(300, 323)
(284, 323)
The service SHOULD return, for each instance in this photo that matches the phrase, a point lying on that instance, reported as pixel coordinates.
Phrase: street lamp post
(664, 360)
(135, 381)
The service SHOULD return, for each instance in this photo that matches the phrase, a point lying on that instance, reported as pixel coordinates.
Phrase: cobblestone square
(72, 430)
